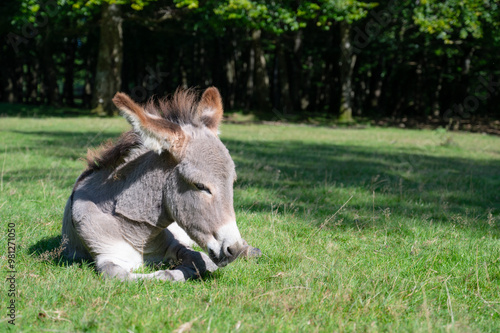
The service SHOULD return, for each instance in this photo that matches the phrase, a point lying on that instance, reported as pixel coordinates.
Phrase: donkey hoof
(251, 252)
(211, 266)
(254, 253)
(170, 275)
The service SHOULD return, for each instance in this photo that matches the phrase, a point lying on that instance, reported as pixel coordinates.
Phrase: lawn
(361, 229)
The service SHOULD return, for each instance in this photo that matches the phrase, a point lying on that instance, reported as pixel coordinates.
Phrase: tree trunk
(230, 68)
(87, 88)
(109, 60)
(294, 71)
(347, 62)
(250, 78)
(182, 70)
(376, 85)
(285, 101)
(50, 73)
(261, 78)
(32, 81)
(436, 107)
(69, 72)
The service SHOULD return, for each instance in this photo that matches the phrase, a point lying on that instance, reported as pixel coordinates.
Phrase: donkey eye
(202, 187)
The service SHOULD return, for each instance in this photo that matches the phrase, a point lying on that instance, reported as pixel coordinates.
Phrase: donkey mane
(181, 108)
(111, 154)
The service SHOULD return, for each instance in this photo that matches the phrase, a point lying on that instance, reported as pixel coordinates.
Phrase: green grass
(361, 230)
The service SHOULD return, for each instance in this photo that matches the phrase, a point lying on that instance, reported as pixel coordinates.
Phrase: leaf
(186, 327)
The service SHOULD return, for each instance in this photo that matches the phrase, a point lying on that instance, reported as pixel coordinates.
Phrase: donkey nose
(232, 251)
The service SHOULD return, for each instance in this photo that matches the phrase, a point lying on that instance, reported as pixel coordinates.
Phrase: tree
(44, 21)
(426, 60)
(108, 71)
(277, 18)
(326, 13)
(109, 60)
(36, 30)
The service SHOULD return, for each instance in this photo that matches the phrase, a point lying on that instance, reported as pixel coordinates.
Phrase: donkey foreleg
(194, 260)
(110, 268)
(120, 263)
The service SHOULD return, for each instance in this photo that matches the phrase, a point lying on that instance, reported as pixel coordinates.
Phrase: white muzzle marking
(226, 236)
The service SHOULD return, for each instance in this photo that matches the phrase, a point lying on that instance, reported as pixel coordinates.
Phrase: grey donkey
(164, 186)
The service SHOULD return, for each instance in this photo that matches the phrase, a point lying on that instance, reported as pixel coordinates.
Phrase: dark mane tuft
(181, 108)
(111, 154)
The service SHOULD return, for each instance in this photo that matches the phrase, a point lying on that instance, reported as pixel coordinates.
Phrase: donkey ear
(157, 133)
(210, 109)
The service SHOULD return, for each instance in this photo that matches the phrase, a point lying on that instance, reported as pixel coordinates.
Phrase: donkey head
(198, 191)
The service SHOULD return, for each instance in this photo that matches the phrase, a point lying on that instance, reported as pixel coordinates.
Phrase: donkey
(165, 185)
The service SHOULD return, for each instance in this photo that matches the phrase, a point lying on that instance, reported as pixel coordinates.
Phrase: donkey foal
(162, 187)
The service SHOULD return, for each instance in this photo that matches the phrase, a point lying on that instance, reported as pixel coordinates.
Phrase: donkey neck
(139, 184)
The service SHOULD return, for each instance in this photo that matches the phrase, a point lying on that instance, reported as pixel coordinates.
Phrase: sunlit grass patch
(371, 230)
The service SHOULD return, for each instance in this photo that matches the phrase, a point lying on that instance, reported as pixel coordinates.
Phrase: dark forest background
(422, 60)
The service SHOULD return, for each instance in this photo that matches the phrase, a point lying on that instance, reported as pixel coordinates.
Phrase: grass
(361, 230)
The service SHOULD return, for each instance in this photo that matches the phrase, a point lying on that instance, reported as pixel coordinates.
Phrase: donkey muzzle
(230, 253)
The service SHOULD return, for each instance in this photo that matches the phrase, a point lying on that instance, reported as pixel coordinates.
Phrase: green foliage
(456, 20)
(271, 17)
(190, 4)
(76, 10)
(326, 12)
(414, 58)
(283, 16)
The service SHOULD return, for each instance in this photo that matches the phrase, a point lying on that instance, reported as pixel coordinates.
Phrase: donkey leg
(195, 260)
(113, 269)
(193, 265)
(117, 259)
(180, 235)
(120, 259)
(179, 250)
(169, 247)
(73, 249)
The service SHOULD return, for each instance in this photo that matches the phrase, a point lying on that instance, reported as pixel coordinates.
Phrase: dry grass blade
(3, 168)
(448, 302)
(55, 253)
(331, 217)
(280, 290)
(186, 327)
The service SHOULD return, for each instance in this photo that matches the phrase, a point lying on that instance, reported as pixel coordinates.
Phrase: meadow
(372, 229)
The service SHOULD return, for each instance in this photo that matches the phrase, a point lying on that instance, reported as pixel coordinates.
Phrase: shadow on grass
(409, 182)
(405, 182)
(50, 250)
(65, 140)
(40, 111)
